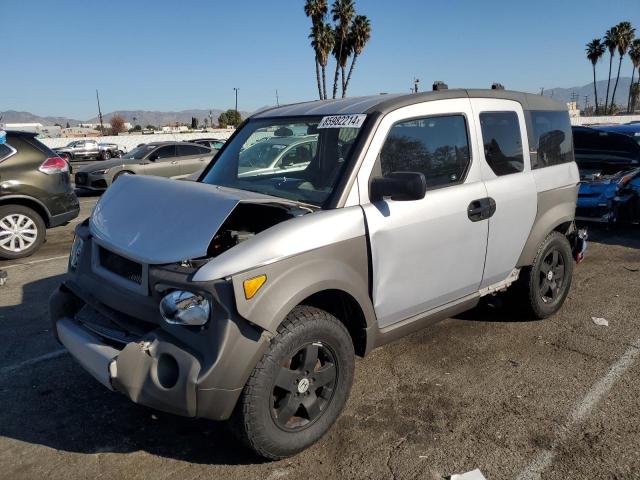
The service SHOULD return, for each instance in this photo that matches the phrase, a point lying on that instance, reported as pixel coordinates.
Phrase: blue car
(629, 129)
(609, 165)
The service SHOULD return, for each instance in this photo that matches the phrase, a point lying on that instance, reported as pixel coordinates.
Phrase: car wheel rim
(304, 387)
(17, 233)
(551, 276)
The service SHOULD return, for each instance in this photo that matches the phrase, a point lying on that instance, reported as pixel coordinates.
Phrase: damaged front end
(609, 198)
(130, 311)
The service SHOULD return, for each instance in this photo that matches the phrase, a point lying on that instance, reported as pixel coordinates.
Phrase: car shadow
(503, 307)
(48, 399)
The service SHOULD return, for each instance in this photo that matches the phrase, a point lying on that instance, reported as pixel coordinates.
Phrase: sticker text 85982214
(342, 121)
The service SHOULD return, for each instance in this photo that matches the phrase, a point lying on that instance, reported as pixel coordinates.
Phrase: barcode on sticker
(342, 121)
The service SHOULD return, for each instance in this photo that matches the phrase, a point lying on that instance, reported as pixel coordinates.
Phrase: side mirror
(398, 186)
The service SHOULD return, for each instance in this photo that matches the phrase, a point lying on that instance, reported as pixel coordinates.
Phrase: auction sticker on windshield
(342, 121)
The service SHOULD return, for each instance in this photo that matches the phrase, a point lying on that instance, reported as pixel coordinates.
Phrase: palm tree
(360, 35)
(316, 10)
(341, 52)
(325, 40)
(610, 43)
(634, 55)
(635, 93)
(342, 13)
(595, 51)
(625, 35)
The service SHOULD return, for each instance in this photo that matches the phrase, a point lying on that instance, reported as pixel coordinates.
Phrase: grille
(81, 178)
(121, 266)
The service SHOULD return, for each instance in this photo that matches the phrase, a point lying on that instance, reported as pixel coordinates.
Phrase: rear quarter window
(5, 151)
(550, 139)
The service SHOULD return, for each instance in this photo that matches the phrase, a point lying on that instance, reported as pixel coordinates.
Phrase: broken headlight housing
(182, 307)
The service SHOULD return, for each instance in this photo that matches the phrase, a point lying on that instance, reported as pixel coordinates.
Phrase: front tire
(22, 231)
(299, 387)
(106, 155)
(547, 282)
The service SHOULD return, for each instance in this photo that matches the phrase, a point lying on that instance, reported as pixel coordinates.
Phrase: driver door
(163, 162)
(425, 253)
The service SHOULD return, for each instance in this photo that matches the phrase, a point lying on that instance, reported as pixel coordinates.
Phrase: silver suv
(248, 296)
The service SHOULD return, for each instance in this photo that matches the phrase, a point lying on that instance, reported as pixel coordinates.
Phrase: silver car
(277, 155)
(248, 294)
(161, 159)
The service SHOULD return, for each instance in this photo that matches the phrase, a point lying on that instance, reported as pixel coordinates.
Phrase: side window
(185, 150)
(5, 151)
(203, 150)
(438, 147)
(167, 151)
(298, 155)
(502, 142)
(550, 139)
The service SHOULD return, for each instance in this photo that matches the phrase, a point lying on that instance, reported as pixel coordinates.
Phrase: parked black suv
(35, 193)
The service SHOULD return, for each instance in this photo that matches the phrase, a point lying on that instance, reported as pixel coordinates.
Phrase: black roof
(389, 102)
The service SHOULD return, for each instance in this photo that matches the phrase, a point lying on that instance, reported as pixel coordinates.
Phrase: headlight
(185, 308)
(100, 172)
(76, 252)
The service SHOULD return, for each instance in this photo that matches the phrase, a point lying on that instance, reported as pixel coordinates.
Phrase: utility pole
(541, 91)
(277, 100)
(99, 113)
(416, 84)
(236, 90)
(211, 119)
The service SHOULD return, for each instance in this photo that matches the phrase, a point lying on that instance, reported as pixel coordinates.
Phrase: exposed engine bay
(247, 220)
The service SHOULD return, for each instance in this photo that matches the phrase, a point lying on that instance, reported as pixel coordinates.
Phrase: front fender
(340, 266)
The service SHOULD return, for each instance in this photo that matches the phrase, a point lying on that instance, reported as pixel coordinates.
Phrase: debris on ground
(631, 269)
(602, 322)
(472, 475)
(3, 277)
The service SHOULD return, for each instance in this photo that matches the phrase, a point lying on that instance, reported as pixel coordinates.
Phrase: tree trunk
(633, 73)
(353, 62)
(318, 78)
(324, 82)
(606, 98)
(344, 81)
(595, 90)
(335, 80)
(613, 95)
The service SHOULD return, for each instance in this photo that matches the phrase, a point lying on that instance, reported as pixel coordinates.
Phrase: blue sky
(175, 55)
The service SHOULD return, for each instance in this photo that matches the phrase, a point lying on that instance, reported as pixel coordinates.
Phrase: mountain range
(158, 118)
(565, 94)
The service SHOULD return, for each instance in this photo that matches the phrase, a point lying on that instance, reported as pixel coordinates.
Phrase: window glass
(550, 139)
(597, 141)
(5, 151)
(250, 161)
(502, 142)
(203, 150)
(438, 147)
(185, 150)
(298, 155)
(167, 151)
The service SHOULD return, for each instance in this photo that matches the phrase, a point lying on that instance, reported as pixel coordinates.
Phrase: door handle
(481, 209)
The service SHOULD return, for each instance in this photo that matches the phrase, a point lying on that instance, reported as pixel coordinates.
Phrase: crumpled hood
(157, 221)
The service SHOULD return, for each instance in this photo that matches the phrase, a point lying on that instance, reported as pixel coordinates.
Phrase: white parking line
(581, 410)
(32, 361)
(26, 264)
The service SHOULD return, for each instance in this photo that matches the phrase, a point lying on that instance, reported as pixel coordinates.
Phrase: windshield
(300, 159)
(139, 152)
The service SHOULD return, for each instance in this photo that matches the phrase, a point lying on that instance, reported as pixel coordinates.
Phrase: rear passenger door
(192, 158)
(506, 170)
(425, 253)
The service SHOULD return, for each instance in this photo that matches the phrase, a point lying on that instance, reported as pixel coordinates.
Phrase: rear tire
(106, 155)
(22, 231)
(544, 286)
(299, 387)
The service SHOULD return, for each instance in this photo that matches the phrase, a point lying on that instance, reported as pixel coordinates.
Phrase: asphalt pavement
(518, 399)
